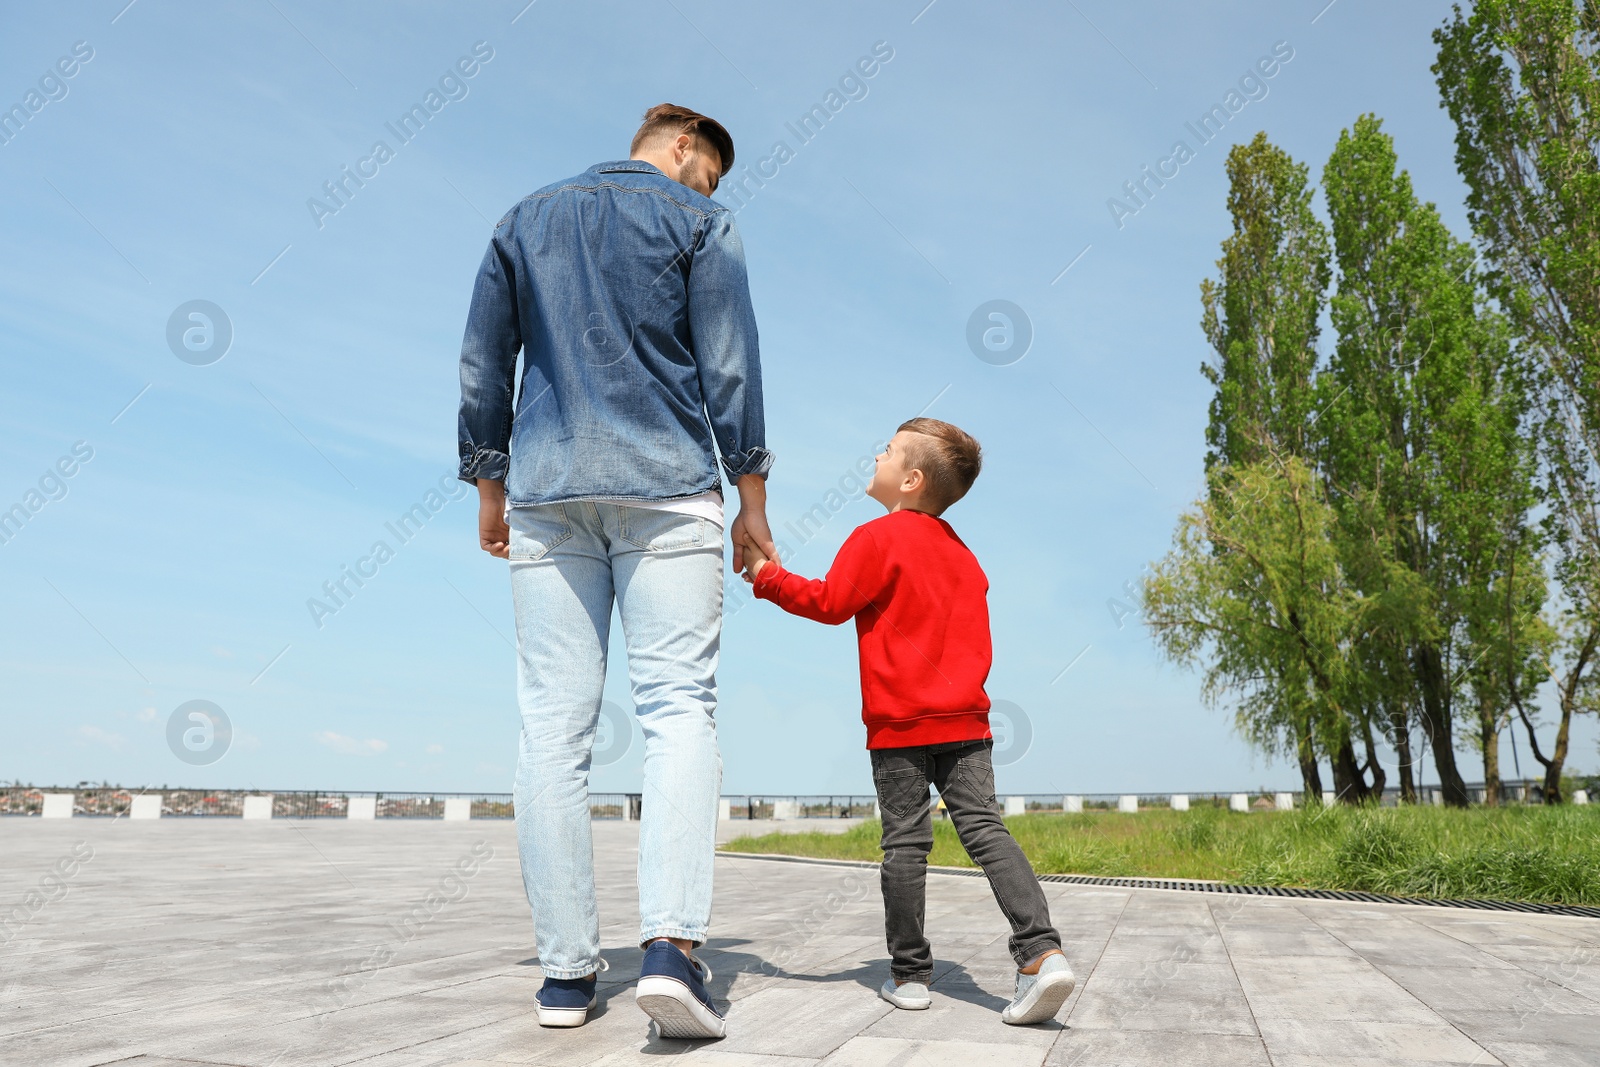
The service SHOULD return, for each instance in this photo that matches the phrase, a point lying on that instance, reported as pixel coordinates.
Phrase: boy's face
(889, 479)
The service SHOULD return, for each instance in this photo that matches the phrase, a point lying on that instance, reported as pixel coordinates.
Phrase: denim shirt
(626, 293)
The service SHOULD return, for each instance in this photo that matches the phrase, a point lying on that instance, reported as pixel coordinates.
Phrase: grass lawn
(1546, 855)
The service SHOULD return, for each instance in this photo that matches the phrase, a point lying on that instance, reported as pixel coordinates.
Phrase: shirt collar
(637, 166)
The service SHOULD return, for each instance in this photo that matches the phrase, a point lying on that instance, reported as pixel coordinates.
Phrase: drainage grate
(1224, 887)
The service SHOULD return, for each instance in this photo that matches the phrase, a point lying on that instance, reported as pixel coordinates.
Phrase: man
(625, 290)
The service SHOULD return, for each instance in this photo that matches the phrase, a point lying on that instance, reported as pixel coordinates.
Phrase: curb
(1195, 885)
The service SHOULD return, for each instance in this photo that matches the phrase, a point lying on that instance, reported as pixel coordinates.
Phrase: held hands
(751, 536)
(754, 560)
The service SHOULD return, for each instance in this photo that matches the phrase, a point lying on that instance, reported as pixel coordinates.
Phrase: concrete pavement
(408, 944)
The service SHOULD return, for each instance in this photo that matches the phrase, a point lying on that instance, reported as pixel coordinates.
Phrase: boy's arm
(855, 578)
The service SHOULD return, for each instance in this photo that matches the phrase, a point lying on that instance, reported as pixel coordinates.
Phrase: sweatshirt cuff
(768, 579)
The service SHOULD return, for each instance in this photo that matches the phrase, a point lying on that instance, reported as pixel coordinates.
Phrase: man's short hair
(948, 457)
(669, 120)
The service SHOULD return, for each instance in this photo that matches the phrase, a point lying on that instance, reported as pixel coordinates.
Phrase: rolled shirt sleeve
(489, 366)
(722, 325)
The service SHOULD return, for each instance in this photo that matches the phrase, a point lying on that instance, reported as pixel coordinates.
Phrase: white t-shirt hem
(706, 505)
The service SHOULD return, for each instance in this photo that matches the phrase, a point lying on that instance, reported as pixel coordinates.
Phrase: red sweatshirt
(922, 622)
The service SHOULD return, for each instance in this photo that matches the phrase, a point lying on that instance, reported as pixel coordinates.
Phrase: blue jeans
(664, 570)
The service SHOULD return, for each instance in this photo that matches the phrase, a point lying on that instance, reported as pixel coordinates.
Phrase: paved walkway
(197, 942)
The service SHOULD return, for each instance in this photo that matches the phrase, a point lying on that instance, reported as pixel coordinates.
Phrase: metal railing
(111, 801)
(288, 803)
(757, 806)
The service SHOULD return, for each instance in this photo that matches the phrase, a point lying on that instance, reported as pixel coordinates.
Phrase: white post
(1016, 806)
(58, 805)
(724, 809)
(361, 808)
(1239, 802)
(258, 807)
(145, 806)
(1180, 802)
(1328, 798)
(1580, 796)
(785, 809)
(1283, 801)
(877, 810)
(1072, 804)
(457, 809)
(1128, 803)
(1436, 797)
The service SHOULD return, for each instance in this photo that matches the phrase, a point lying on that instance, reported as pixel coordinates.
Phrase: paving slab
(1118, 1048)
(312, 943)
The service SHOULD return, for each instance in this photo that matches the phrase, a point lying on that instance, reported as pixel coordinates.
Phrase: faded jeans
(964, 775)
(568, 562)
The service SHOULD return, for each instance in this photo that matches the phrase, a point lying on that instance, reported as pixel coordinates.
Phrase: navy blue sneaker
(672, 991)
(567, 1001)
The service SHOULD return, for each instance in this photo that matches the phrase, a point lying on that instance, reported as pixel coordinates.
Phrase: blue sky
(976, 164)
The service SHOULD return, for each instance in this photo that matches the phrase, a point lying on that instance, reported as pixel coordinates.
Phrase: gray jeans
(964, 776)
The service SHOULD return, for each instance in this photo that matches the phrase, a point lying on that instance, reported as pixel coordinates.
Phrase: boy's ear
(914, 480)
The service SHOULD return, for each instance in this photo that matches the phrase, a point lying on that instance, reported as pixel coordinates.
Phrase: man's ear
(681, 148)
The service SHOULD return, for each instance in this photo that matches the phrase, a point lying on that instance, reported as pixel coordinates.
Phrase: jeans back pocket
(660, 531)
(902, 790)
(536, 530)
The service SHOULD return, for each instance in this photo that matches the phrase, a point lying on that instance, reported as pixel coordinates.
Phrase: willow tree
(1521, 79)
(1253, 592)
(1422, 435)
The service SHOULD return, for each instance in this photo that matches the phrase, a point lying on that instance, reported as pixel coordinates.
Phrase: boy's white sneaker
(912, 996)
(1040, 996)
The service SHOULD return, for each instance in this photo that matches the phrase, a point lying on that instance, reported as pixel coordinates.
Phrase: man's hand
(750, 527)
(494, 536)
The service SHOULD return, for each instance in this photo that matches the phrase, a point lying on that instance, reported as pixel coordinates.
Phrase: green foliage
(1423, 437)
(1364, 559)
(1521, 79)
(1541, 854)
(1261, 313)
(1253, 592)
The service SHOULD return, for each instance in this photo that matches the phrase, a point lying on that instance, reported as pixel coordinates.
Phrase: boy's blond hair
(948, 457)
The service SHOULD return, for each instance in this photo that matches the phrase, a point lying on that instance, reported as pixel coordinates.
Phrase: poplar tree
(1521, 79)
(1266, 599)
(1422, 437)
(1261, 314)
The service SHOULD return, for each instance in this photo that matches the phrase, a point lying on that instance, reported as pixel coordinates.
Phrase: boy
(922, 623)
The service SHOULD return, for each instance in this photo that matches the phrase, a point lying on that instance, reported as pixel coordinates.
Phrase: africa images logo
(199, 733)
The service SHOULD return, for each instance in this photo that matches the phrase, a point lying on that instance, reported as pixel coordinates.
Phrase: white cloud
(100, 737)
(434, 750)
(147, 715)
(350, 746)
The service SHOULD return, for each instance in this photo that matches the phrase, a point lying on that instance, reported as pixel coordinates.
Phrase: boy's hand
(754, 560)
